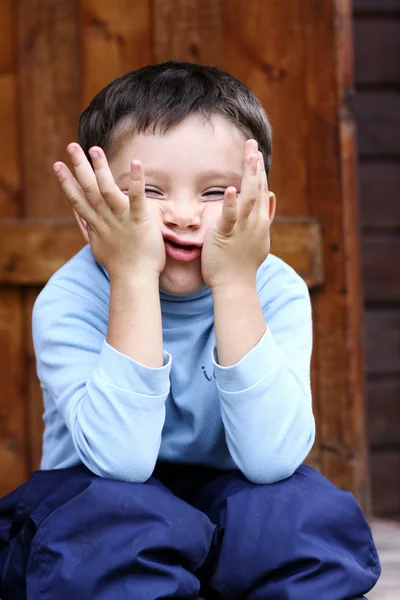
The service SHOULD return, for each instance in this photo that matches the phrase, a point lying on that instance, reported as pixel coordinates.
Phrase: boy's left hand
(239, 241)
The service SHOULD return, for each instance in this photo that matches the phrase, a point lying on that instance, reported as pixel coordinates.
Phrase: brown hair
(156, 97)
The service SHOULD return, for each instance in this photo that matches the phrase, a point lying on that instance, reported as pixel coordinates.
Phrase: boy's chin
(181, 282)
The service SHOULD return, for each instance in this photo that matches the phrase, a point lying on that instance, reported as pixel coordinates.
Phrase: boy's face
(186, 173)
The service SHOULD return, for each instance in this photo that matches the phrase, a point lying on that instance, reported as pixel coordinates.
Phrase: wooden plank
(49, 92)
(383, 402)
(358, 465)
(257, 52)
(115, 38)
(379, 194)
(330, 154)
(376, 6)
(13, 469)
(9, 160)
(385, 469)
(377, 51)
(34, 391)
(31, 251)
(378, 120)
(383, 341)
(380, 268)
(192, 36)
(49, 86)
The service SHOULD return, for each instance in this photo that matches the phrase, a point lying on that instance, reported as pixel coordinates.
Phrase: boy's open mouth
(186, 247)
(181, 252)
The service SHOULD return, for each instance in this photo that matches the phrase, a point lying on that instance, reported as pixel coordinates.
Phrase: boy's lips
(182, 250)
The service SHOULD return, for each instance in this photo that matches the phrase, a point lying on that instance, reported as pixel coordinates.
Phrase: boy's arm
(103, 415)
(134, 322)
(263, 350)
(112, 405)
(264, 387)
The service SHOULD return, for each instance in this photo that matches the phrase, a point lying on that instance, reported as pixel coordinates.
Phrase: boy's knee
(304, 520)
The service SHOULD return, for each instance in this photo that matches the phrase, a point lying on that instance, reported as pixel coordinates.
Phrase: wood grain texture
(265, 48)
(33, 390)
(115, 38)
(377, 51)
(383, 341)
(379, 195)
(378, 121)
(350, 228)
(383, 404)
(190, 30)
(376, 6)
(49, 89)
(385, 469)
(380, 268)
(10, 177)
(12, 366)
(13, 439)
(332, 192)
(30, 252)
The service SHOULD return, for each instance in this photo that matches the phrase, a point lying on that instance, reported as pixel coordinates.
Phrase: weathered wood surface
(115, 37)
(384, 412)
(383, 332)
(385, 469)
(376, 6)
(380, 195)
(381, 270)
(378, 118)
(377, 108)
(13, 467)
(377, 51)
(387, 538)
(31, 251)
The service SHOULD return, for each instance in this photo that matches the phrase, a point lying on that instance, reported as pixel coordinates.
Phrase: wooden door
(377, 70)
(296, 56)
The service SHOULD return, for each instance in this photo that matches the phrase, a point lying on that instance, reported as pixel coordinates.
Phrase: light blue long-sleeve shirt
(118, 416)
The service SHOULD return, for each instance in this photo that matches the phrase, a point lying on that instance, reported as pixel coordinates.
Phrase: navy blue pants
(187, 533)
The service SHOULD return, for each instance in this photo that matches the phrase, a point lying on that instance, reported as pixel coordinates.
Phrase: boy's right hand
(124, 236)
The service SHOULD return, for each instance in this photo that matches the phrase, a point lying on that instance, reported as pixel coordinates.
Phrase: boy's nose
(183, 217)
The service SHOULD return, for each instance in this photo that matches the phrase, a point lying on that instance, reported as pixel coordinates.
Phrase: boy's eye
(214, 194)
(149, 191)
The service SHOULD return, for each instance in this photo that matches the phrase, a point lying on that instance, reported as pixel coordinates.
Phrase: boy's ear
(82, 226)
(272, 206)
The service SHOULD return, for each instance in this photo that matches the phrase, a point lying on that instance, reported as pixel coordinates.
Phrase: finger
(86, 177)
(137, 198)
(262, 203)
(110, 192)
(73, 191)
(250, 185)
(229, 215)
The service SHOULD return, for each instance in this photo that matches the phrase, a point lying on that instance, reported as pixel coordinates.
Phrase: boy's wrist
(234, 289)
(134, 277)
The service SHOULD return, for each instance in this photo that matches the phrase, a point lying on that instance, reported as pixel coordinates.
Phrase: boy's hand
(239, 241)
(122, 233)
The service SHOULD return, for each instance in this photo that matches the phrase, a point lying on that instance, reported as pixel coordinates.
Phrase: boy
(174, 353)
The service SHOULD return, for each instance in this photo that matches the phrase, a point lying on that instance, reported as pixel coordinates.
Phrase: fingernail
(71, 149)
(94, 153)
(57, 167)
(254, 145)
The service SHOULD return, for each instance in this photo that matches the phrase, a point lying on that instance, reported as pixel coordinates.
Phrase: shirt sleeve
(113, 406)
(265, 398)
